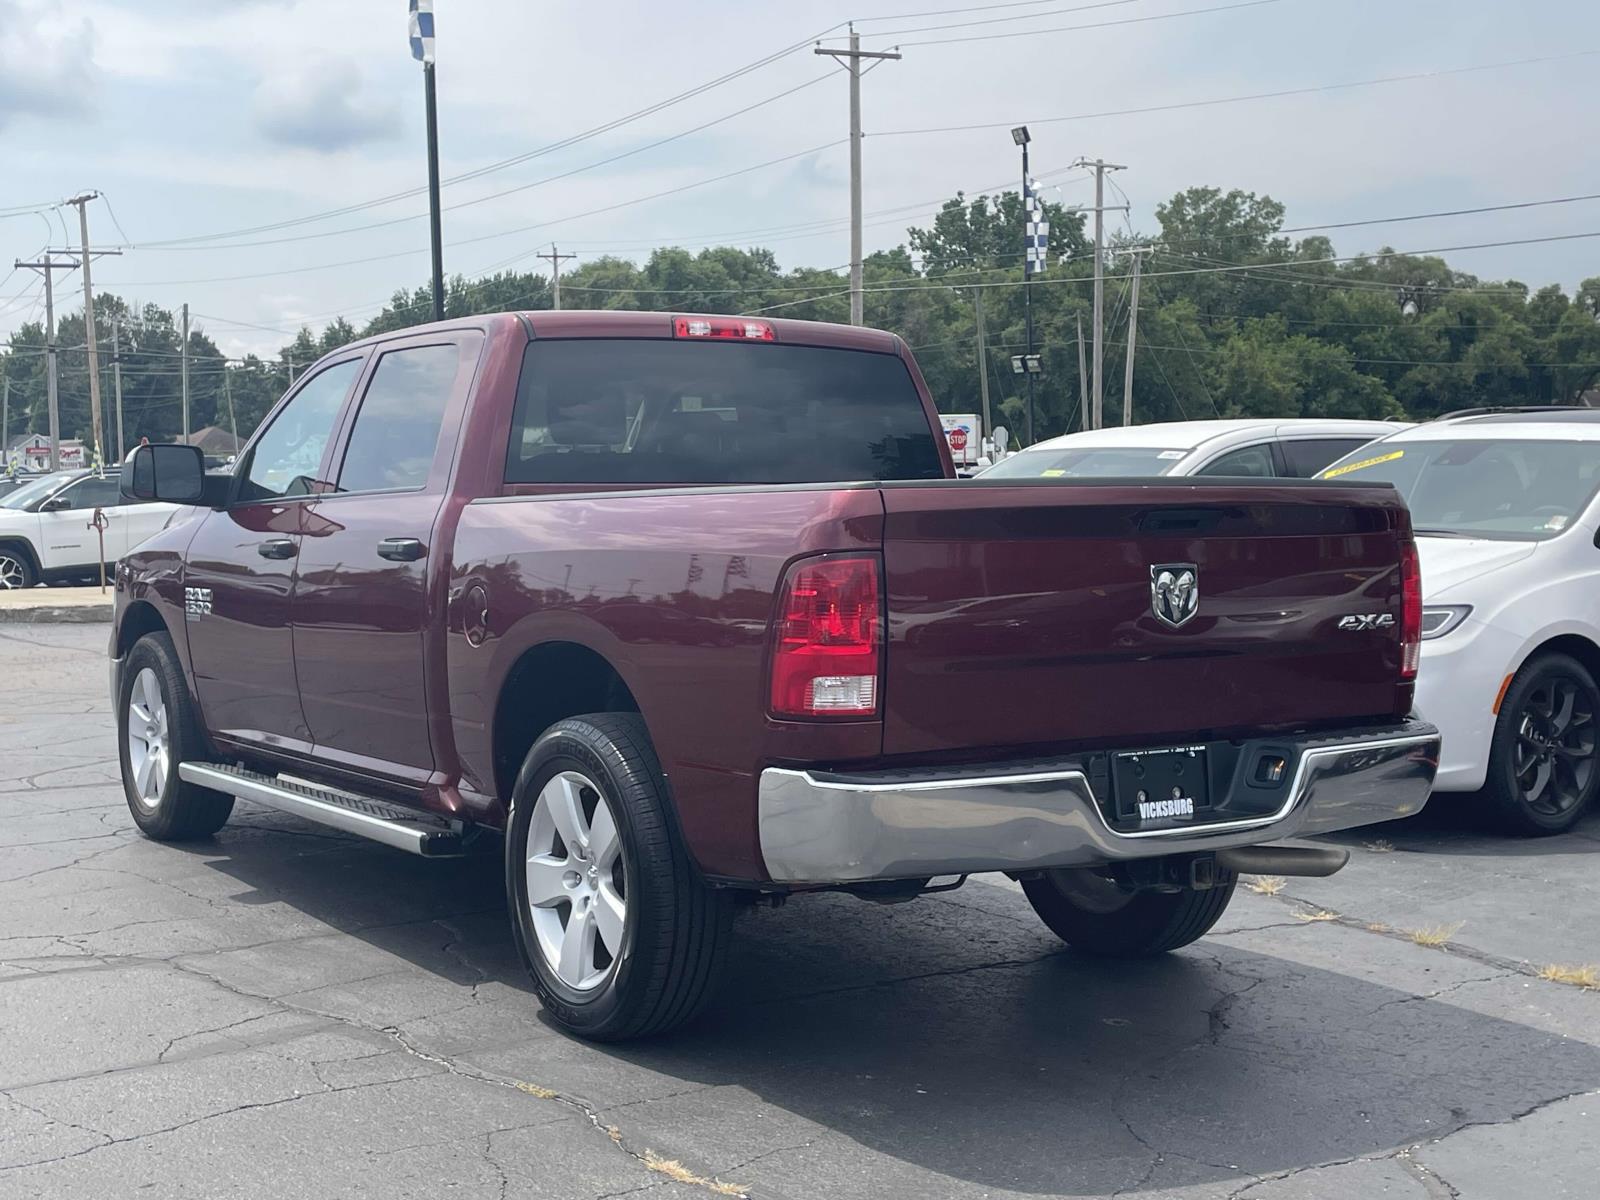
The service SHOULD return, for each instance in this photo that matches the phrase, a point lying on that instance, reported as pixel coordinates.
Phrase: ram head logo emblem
(1174, 592)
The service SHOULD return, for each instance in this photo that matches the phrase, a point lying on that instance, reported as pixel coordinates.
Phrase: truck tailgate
(1022, 615)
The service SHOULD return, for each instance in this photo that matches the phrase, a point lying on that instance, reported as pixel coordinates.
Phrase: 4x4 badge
(1174, 592)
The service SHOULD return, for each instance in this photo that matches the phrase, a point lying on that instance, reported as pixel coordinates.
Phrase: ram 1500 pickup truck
(693, 611)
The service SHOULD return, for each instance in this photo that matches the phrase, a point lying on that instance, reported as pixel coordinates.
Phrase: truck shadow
(1454, 824)
(956, 1036)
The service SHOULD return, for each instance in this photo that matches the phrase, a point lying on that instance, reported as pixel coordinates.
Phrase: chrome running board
(403, 828)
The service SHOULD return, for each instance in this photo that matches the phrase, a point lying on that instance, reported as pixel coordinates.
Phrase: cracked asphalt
(283, 1011)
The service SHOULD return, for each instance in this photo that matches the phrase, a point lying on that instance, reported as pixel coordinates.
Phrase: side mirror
(174, 474)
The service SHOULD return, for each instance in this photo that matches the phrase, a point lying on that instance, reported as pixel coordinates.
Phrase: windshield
(29, 492)
(1509, 490)
(1086, 462)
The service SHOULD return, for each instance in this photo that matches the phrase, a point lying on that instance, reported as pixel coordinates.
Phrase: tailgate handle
(1180, 520)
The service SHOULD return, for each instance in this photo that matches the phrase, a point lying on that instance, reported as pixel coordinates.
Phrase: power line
(1277, 95)
(523, 187)
(699, 183)
(564, 143)
(1188, 12)
(1049, 12)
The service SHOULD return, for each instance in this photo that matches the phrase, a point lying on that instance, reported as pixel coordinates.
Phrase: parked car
(694, 611)
(1252, 449)
(1506, 516)
(45, 531)
(10, 483)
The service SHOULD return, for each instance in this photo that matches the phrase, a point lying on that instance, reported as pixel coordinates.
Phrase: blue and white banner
(422, 30)
(1036, 233)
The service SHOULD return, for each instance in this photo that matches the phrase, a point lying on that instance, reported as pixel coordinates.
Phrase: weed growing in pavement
(1267, 885)
(1381, 846)
(1434, 936)
(677, 1172)
(1587, 977)
(1316, 914)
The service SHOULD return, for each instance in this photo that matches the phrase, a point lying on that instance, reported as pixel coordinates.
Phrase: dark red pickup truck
(694, 611)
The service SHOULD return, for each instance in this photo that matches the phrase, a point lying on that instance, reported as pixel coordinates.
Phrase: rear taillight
(724, 328)
(1410, 610)
(826, 655)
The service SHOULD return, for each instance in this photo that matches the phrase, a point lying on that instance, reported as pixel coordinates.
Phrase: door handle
(401, 549)
(276, 548)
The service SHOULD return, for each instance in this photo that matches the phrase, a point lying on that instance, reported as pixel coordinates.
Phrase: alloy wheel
(12, 573)
(149, 740)
(577, 881)
(1553, 760)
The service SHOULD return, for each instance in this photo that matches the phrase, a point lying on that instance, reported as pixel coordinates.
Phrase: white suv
(45, 530)
(1504, 505)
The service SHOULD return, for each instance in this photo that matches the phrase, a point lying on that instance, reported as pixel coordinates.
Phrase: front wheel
(16, 569)
(619, 936)
(1091, 913)
(159, 729)
(1543, 760)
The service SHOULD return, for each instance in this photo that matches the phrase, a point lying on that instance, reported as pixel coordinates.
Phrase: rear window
(674, 412)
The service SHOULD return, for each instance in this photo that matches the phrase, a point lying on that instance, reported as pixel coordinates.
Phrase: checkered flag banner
(1036, 237)
(422, 30)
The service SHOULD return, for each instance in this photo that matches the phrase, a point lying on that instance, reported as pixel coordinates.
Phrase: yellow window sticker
(1335, 472)
(1052, 473)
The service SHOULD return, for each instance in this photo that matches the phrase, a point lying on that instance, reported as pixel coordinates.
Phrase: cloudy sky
(221, 117)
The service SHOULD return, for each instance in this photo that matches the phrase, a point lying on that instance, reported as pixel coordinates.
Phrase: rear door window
(1250, 462)
(1307, 456)
(609, 411)
(396, 432)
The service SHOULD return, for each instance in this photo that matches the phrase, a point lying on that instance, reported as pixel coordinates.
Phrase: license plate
(1156, 789)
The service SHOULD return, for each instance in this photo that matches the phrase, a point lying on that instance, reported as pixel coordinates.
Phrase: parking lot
(284, 1011)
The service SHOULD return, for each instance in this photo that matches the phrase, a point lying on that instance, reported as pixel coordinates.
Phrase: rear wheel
(1543, 768)
(160, 729)
(620, 937)
(1092, 913)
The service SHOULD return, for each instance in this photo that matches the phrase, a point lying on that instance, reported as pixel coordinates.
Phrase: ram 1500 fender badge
(196, 603)
(1174, 592)
(1360, 621)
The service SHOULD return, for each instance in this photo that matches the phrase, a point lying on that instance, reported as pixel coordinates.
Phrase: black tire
(16, 568)
(177, 811)
(1086, 911)
(1544, 766)
(676, 930)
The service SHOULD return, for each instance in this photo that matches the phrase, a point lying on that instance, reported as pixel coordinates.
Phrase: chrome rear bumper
(832, 827)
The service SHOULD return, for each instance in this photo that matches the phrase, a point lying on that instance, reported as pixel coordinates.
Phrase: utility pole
(47, 267)
(116, 383)
(5, 424)
(1083, 380)
(852, 57)
(1133, 337)
(183, 372)
(1100, 168)
(1021, 137)
(983, 368)
(233, 417)
(556, 259)
(82, 201)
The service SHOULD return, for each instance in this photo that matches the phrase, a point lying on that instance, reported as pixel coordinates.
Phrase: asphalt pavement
(287, 1012)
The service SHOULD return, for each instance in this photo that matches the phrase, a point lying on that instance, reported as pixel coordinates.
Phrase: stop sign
(958, 439)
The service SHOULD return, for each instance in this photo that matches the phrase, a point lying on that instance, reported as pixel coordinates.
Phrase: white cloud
(322, 106)
(47, 66)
